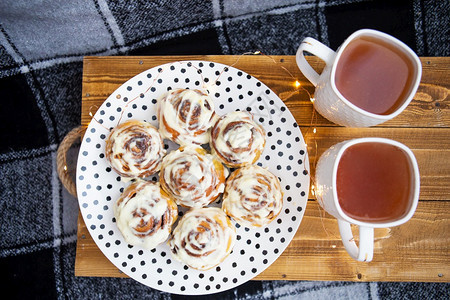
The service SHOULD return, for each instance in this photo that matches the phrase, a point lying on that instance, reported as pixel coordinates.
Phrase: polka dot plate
(285, 155)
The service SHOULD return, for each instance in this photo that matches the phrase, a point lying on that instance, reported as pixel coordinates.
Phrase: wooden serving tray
(415, 251)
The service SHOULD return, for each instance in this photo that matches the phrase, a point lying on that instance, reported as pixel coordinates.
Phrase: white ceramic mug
(326, 194)
(329, 102)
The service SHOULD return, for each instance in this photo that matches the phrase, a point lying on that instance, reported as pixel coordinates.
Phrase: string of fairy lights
(309, 134)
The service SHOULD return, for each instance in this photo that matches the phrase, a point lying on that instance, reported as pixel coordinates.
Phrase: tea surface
(374, 182)
(374, 75)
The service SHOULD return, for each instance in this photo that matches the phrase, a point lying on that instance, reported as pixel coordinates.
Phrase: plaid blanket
(42, 44)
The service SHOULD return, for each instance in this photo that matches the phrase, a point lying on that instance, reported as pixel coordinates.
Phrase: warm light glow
(313, 192)
(312, 99)
(90, 114)
(314, 130)
(297, 83)
(65, 168)
(333, 246)
(257, 52)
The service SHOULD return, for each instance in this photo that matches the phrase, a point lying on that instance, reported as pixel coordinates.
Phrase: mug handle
(365, 250)
(318, 49)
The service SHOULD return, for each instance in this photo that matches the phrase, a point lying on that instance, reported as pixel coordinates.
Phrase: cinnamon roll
(253, 196)
(192, 177)
(185, 116)
(135, 149)
(237, 140)
(203, 238)
(144, 214)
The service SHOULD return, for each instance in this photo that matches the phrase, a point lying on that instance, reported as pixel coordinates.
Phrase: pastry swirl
(203, 238)
(253, 196)
(185, 116)
(237, 140)
(192, 177)
(135, 149)
(144, 214)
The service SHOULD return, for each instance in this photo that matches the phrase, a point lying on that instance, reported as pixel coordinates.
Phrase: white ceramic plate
(285, 156)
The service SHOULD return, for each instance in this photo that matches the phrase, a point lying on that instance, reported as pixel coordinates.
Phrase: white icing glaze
(236, 139)
(192, 177)
(253, 196)
(203, 238)
(142, 204)
(185, 116)
(135, 149)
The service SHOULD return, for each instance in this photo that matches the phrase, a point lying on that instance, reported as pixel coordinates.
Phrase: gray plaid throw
(42, 44)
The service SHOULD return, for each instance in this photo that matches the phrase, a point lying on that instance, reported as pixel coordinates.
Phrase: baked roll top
(237, 140)
(135, 149)
(253, 196)
(192, 177)
(185, 116)
(203, 238)
(145, 214)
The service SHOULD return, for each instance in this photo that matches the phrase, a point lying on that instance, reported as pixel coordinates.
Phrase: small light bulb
(65, 168)
(257, 52)
(90, 114)
(297, 83)
(314, 130)
(312, 99)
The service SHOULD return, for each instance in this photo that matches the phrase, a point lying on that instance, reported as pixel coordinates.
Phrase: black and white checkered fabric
(42, 44)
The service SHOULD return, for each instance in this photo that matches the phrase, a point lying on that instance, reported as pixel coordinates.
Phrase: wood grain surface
(415, 251)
